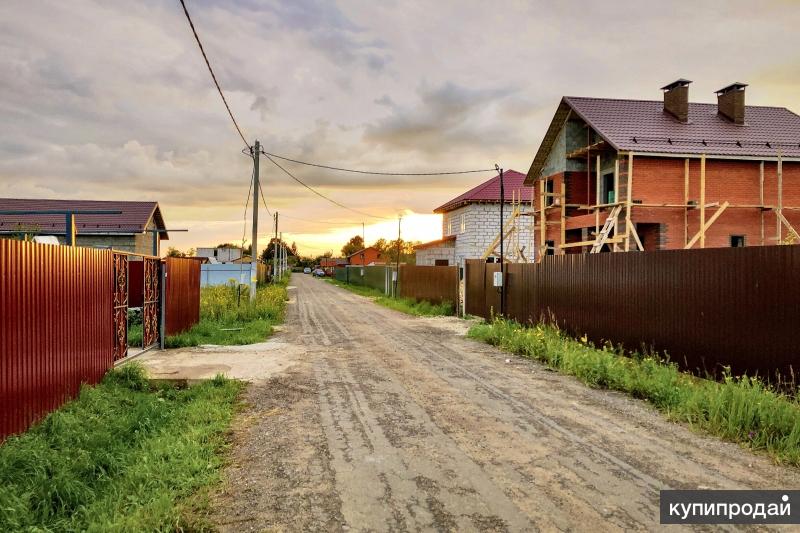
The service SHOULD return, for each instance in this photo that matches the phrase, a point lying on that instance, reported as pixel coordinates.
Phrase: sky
(112, 101)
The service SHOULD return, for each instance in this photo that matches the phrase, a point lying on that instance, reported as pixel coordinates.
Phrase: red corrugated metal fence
(56, 317)
(182, 294)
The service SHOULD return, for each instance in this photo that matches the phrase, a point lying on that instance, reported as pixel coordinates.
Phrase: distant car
(319, 273)
(306, 270)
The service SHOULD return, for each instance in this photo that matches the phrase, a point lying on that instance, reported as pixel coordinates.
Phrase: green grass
(228, 317)
(135, 333)
(740, 409)
(123, 456)
(404, 305)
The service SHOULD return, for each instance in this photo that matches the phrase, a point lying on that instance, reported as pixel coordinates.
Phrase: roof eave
(565, 107)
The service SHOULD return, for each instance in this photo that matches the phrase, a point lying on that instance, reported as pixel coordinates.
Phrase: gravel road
(386, 422)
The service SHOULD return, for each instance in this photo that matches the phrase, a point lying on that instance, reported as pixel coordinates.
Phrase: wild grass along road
(393, 422)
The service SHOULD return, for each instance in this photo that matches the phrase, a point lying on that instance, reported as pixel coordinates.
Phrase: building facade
(624, 175)
(367, 256)
(471, 224)
(138, 227)
(221, 254)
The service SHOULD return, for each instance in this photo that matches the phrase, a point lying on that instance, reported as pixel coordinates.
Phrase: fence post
(462, 288)
(162, 325)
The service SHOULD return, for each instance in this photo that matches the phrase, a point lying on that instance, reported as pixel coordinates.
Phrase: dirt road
(386, 422)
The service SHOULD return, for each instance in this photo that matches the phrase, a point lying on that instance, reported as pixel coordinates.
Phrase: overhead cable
(331, 200)
(374, 172)
(213, 76)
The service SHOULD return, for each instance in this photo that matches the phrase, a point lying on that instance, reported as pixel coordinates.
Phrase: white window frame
(463, 222)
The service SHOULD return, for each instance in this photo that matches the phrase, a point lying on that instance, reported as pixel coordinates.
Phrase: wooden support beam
(686, 201)
(789, 227)
(597, 195)
(542, 222)
(585, 151)
(779, 211)
(699, 234)
(532, 229)
(761, 197)
(616, 239)
(508, 224)
(563, 210)
(628, 201)
(702, 204)
(632, 231)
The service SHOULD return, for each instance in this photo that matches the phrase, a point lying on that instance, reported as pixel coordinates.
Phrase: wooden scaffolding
(618, 231)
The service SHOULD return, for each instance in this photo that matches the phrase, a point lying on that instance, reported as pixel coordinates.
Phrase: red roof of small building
(134, 216)
(489, 191)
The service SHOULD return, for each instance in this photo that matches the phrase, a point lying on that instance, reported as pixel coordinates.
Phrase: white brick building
(471, 222)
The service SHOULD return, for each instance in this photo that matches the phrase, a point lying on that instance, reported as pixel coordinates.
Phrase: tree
(381, 245)
(174, 252)
(389, 250)
(353, 245)
(269, 251)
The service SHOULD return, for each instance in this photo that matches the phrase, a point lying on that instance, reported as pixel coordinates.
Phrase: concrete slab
(253, 362)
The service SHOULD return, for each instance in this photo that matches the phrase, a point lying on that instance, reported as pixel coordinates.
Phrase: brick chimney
(730, 102)
(676, 99)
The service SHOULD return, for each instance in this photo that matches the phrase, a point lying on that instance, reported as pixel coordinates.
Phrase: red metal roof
(489, 191)
(134, 218)
(643, 126)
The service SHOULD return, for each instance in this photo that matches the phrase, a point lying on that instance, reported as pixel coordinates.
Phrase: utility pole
(275, 251)
(502, 255)
(397, 263)
(363, 243)
(254, 242)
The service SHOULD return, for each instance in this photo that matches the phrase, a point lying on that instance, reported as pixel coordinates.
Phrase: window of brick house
(441, 263)
(551, 247)
(450, 226)
(737, 241)
(463, 222)
(608, 194)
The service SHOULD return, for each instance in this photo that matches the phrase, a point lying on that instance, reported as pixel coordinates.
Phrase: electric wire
(331, 200)
(213, 76)
(374, 172)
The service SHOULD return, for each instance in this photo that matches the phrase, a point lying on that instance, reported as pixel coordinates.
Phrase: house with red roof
(367, 256)
(471, 223)
(625, 175)
(139, 227)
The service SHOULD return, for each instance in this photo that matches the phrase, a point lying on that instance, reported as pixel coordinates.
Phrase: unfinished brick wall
(659, 180)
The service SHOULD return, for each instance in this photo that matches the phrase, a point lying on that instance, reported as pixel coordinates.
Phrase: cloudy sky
(111, 99)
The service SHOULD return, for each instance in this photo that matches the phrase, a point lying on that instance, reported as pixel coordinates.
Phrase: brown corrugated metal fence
(433, 283)
(56, 317)
(135, 282)
(737, 307)
(182, 306)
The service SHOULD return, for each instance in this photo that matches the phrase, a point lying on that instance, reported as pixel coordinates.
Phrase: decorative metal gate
(120, 306)
(151, 307)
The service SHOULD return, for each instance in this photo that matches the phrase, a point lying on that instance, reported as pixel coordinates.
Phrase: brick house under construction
(619, 175)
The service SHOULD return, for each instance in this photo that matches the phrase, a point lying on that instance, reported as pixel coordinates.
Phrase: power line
(375, 172)
(213, 76)
(320, 221)
(263, 199)
(331, 200)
